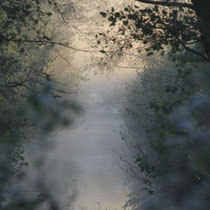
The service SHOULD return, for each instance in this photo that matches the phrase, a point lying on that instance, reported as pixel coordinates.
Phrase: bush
(167, 116)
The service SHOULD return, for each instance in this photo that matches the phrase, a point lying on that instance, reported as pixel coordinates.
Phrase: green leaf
(156, 108)
(168, 88)
(156, 8)
(111, 18)
(164, 12)
(174, 89)
(103, 51)
(151, 192)
(28, 6)
(103, 14)
(117, 14)
(162, 53)
(36, 21)
(125, 22)
(150, 53)
(49, 13)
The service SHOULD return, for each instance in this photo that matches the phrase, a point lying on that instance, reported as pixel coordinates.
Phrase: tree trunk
(202, 10)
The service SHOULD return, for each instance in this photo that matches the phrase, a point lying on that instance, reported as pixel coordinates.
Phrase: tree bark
(202, 10)
(167, 3)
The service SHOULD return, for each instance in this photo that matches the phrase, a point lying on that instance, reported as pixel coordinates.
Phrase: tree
(177, 24)
(30, 95)
(176, 119)
(162, 124)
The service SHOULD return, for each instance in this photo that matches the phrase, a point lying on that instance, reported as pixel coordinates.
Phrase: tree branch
(167, 4)
(193, 51)
(47, 41)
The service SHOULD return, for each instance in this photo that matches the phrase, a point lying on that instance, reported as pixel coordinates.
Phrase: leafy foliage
(157, 26)
(167, 107)
(29, 94)
(163, 114)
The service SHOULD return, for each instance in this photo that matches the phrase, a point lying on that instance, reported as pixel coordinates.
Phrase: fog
(81, 163)
(91, 144)
(103, 106)
(81, 166)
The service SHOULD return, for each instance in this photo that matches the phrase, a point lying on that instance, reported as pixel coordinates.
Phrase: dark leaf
(103, 14)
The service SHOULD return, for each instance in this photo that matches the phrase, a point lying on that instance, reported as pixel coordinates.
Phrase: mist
(104, 105)
(91, 144)
(80, 164)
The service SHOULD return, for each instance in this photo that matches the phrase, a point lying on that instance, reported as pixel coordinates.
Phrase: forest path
(90, 145)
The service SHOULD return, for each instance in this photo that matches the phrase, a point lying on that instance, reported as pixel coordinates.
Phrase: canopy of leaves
(157, 26)
(28, 92)
(173, 160)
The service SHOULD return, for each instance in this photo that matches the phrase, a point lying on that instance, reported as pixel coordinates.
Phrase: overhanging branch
(47, 41)
(167, 4)
(193, 51)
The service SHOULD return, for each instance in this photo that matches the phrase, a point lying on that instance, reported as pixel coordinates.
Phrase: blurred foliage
(156, 26)
(166, 112)
(167, 107)
(31, 103)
